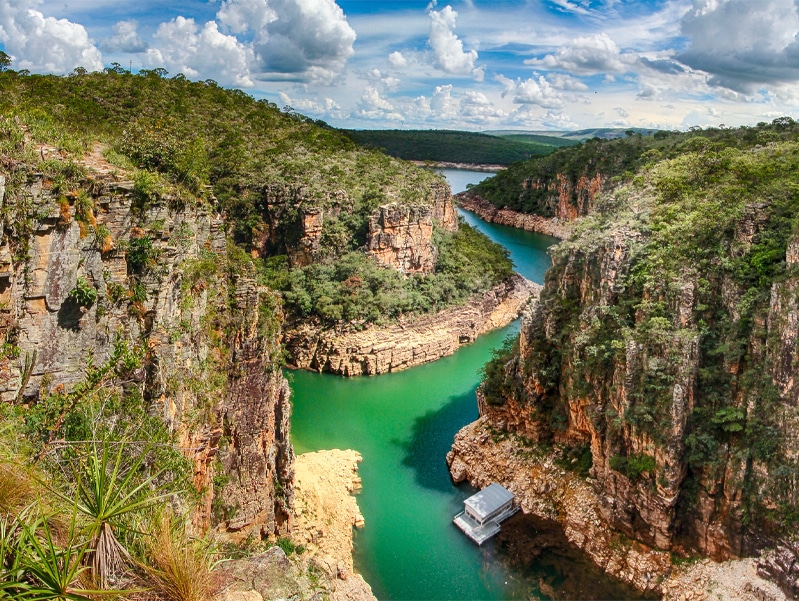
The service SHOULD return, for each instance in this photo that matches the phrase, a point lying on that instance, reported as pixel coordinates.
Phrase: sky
(464, 64)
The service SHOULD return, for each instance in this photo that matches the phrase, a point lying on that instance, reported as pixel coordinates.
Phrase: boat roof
(488, 500)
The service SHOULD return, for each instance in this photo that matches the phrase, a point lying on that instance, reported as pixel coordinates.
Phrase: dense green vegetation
(452, 146)
(186, 140)
(614, 160)
(196, 134)
(354, 289)
(539, 139)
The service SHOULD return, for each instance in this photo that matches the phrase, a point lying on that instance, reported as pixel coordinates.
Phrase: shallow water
(403, 425)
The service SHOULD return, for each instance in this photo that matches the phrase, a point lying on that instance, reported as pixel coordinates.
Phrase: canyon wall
(524, 221)
(398, 234)
(663, 361)
(88, 267)
(412, 340)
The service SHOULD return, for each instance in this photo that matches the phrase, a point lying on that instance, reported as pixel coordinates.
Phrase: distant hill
(580, 135)
(454, 146)
(557, 142)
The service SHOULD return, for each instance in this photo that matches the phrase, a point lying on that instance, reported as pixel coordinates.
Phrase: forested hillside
(538, 185)
(265, 170)
(451, 146)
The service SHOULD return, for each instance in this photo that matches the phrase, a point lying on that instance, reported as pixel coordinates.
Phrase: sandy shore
(326, 512)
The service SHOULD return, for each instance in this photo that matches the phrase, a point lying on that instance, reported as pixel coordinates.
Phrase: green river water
(403, 425)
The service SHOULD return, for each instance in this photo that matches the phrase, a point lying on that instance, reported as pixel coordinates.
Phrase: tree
(5, 61)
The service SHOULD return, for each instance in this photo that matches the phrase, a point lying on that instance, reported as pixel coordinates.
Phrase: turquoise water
(403, 425)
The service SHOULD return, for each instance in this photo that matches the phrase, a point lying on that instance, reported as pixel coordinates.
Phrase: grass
(179, 566)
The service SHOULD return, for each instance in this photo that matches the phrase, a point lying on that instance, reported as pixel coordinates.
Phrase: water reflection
(431, 439)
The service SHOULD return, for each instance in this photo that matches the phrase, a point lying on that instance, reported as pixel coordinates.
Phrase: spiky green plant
(107, 491)
(12, 572)
(53, 571)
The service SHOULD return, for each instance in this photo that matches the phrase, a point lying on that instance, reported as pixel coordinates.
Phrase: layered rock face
(402, 238)
(523, 221)
(411, 341)
(207, 341)
(669, 359)
(399, 235)
(482, 454)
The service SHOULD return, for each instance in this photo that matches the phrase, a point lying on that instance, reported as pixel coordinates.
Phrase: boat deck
(480, 533)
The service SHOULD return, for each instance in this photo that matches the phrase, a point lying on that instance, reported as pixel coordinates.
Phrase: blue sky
(463, 64)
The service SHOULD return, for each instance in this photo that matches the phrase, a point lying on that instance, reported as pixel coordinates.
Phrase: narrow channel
(403, 425)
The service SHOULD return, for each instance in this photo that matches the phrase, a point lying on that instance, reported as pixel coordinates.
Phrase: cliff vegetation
(665, 340)
(565, 183)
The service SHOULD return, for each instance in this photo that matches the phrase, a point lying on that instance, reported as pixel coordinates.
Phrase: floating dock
(485, 511)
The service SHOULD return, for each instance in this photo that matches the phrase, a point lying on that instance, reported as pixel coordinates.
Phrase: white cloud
(373, 106)
(571, 7)
(532, 91)
(240, 16)
(586, 56)
(376, 78)
(397, 60)
(741, 43)
(44, 44)
(477, 108)
(621, 112)
(126, 39)
(448, 48)
(561, 81)
(309, 40)
(528, 115)
(201, 53)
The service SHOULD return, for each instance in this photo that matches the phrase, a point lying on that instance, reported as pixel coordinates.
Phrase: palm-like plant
(52, 571)
(12, 572)
(107, 490)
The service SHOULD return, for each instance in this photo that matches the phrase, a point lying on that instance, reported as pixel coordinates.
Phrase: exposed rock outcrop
(667, 356)
(482, 454)
(524, 221)
(781, 565)
(232, 411)
(326, 514)
(411, 341)
(401, 237)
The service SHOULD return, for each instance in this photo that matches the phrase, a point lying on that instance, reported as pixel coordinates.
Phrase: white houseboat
(485, 511)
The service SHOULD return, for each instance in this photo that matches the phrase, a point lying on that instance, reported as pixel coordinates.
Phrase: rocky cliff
(397, 234)
(661, 355)
(87, 266)
(524, 221)
(411, 341)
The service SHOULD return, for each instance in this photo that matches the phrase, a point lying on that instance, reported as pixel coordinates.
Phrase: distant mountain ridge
(580, 135)
(499, 147)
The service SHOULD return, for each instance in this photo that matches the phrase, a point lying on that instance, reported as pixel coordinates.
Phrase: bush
(633, 466)
(140, 253)
(83, 294)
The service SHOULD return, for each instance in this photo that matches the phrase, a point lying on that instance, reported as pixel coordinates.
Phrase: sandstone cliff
(398, 234)
(662, 350)
(524, 221)
(85, 265)
(412, 341)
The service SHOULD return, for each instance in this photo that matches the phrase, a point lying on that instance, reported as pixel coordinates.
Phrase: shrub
(83, 294)
(140, 253)
(633, 466)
